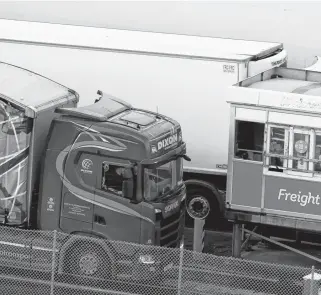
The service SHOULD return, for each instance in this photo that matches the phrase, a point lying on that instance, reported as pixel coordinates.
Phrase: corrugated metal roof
(28, 89)
(281, 88)
(290, 86)
(134, 41)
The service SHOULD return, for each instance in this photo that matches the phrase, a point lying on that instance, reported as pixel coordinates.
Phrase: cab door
(116, 217)
(78, 194)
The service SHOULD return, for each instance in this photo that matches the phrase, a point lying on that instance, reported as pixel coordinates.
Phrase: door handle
(99, 219)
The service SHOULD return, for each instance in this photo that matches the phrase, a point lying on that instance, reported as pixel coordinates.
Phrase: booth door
(248, 165)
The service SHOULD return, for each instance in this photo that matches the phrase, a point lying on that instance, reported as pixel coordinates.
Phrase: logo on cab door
(87, 165)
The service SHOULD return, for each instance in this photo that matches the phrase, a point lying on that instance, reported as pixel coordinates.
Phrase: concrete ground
(215, 242)
(220, 244)
(271, 254)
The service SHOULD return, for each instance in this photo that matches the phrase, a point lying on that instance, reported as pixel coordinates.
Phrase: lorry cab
(115, 172)
(106, 170)
(275, 150)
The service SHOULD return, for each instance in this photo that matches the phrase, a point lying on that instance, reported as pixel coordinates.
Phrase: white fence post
(180, 270)
(311, 283)
(53, 263)
(199, 235)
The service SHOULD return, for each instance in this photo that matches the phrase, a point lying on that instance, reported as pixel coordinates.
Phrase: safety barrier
(36, 262)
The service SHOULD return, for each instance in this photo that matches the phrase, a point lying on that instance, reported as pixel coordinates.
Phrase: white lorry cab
(274, 175)
(180, 76)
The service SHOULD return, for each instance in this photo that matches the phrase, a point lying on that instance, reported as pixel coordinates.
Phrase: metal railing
(36, 262)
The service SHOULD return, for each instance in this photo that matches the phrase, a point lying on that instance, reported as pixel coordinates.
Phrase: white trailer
(180, 76)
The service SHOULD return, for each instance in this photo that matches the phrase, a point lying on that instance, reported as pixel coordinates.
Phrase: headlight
(181, 244)
(146, 259)
(158, 211)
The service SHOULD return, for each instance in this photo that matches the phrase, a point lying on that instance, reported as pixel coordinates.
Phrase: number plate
(169, 266)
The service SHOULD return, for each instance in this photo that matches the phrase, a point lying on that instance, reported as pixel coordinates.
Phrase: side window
(292, 149)
(301, 151)
(112, 178)
(317, 155)
(278, 146)
(249, 141)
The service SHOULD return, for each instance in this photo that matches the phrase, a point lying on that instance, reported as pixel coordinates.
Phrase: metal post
(199, 235)
(248, 238)
(236, 240)
(53, 263)
(243, 233)
(180, 269)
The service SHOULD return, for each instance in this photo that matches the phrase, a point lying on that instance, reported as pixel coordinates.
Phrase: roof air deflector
(102, 110)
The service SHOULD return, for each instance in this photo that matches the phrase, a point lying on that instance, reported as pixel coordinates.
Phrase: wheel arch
(76, 236)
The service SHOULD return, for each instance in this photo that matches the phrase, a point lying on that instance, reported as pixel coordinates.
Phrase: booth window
(317, 154)
(294, 148)
(301, 151)
(277, 146)
(249, 140)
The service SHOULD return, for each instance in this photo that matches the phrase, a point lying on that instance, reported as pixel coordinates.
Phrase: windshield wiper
(163, 196)
(168, 194)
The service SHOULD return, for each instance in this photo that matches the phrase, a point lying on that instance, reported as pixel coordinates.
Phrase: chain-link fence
(35, 262)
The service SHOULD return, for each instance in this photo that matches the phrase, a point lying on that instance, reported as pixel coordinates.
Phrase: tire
(214, 216)
(87, 259)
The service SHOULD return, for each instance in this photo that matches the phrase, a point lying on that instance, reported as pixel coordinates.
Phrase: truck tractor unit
(105, 170)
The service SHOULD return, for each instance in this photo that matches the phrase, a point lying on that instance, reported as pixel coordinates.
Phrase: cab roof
(31, 92)
(118, 114)
(102, 110)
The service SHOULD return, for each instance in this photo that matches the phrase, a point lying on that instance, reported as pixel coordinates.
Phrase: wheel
(87, 259)
(197, 199)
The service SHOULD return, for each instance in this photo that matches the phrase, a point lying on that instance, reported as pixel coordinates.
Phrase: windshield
(159, 180)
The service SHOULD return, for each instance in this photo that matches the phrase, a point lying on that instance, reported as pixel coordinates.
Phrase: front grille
(171, 229)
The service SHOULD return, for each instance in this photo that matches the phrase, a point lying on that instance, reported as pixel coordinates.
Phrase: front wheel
(87, 259)
(202, 202)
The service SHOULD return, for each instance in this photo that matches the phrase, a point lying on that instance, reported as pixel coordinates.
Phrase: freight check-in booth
(274, 170)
